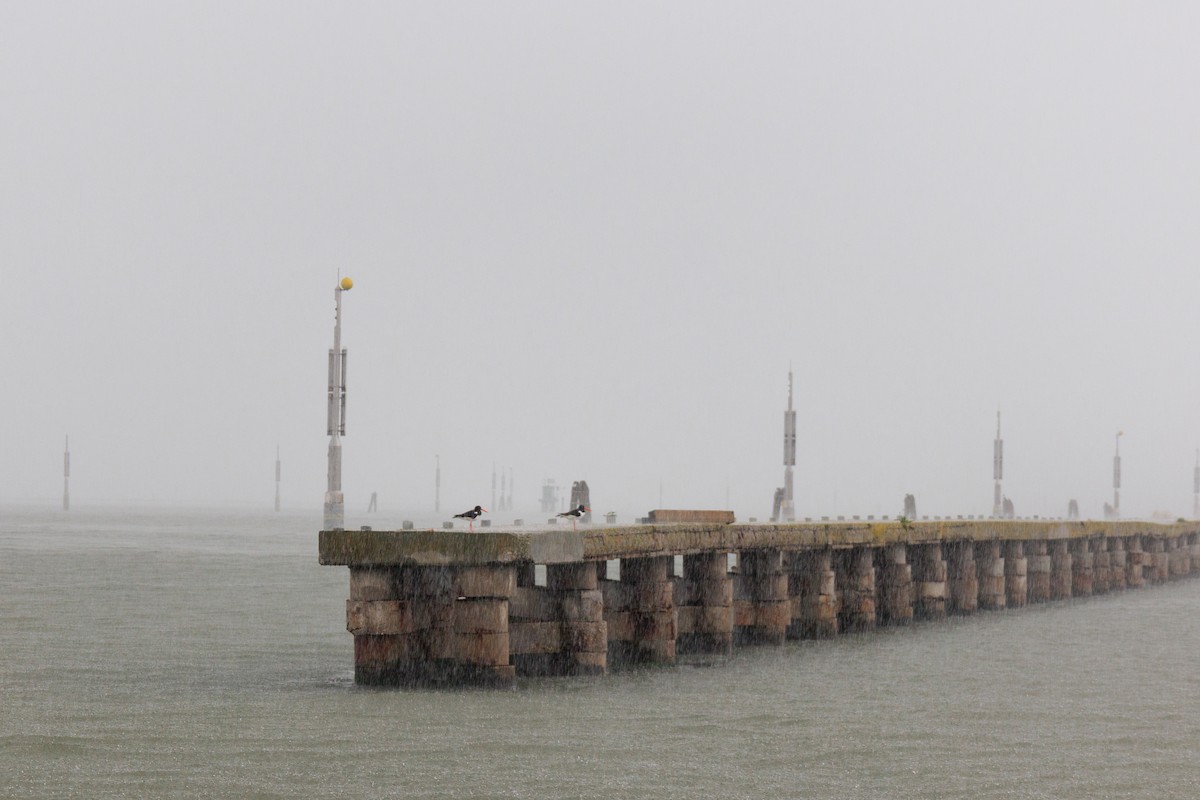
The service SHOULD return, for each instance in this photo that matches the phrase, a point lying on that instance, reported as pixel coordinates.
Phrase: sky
(589, 240)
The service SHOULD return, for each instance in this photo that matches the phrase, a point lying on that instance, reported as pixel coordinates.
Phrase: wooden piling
(1117, 564)
(1135, 563)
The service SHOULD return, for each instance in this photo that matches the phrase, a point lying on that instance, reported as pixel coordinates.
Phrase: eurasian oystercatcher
(575, 513)
(470, 516)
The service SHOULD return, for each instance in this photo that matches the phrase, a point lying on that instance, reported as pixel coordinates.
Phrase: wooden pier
(454, 607)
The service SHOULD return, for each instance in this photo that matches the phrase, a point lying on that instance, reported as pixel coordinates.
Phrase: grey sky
(587, 241)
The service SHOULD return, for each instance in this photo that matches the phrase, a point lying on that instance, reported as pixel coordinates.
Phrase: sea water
(155, 653)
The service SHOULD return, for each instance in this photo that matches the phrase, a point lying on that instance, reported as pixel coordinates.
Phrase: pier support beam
(1117, 564)
(989, 571)
(929, 581)
(812, 586)
(581, 610)
(1016, 569)
(762, 611)
(1040, 569)
(1081, 568)
(894, 584)
(1101, 572)
(706, 619)
(964, 582)
(1158, 571)
(431, 625)
(650, 593)
(1135, 563)
(1060, 569)
(855, 570)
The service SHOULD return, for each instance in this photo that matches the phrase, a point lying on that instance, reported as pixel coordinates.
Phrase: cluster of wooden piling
(463, 608)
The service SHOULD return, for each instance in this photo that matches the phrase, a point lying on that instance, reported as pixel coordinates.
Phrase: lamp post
(335, 505)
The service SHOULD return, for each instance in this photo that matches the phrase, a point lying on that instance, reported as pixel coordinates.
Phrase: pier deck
(461, 607)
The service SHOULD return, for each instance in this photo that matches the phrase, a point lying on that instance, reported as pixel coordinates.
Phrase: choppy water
(153, 654)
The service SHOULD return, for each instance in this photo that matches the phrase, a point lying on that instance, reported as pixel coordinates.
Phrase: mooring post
(706, 618)
(894, 585)
(1060, 569)
(929, 579)
(761, 609)
(1016, 568)
(812, 587)
(1040, 569)
(989, 571)
(1117, 564)
(964, 582)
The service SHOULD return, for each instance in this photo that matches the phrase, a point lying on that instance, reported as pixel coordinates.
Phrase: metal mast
(335, 504)
(277, 473)
(1196, 487)
(787, 512)
(1117, 478)
(67, 475)
(997, 469)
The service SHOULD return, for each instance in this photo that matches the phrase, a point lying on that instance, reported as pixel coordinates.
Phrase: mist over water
(156, 654)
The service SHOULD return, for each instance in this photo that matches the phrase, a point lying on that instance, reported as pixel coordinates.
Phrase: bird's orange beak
(585, 508)
(485, 509)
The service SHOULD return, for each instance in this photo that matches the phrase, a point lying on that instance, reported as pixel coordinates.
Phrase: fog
(588, 241)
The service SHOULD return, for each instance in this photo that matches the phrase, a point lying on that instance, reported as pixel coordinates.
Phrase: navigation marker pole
(335, 504)
(997, 470)
(1117, 478)
(67, 475)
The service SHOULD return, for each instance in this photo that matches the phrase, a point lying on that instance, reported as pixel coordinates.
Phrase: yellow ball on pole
(347, 284)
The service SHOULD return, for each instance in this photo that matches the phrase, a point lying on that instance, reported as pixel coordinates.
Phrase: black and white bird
(470, 516)
(575, 513)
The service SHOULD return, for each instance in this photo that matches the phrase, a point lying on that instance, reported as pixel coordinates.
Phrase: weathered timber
(453, 607)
